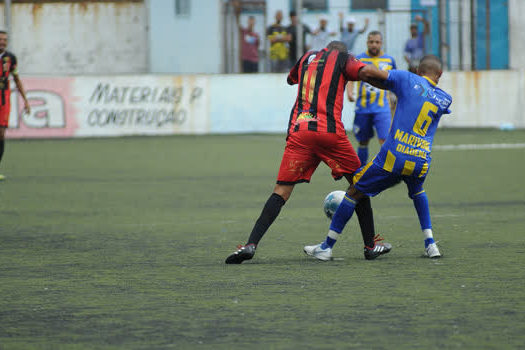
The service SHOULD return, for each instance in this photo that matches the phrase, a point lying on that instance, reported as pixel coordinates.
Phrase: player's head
(413, 30)
(3, 40)
(430, 66)
(278, 16)
(337, 45)
(374, 42)
(293, 17)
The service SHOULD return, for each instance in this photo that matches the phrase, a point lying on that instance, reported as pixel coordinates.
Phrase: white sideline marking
(477, 147)
(411, 216)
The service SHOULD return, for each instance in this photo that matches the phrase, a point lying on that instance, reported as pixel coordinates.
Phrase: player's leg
(4, 115)
(365, 217)
(363, 131)
(420, 199)
(2, 141)
(382, 123)
(337, 152)
(297, 165)
(344, 213)
(270, 211)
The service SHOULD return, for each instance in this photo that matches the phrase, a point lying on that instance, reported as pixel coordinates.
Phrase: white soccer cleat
(319, 253)
(432, 251)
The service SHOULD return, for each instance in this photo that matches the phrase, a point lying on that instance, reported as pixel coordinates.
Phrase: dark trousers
(250, 67)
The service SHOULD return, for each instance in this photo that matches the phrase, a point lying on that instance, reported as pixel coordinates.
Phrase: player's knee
(285, 191)
(414, 195)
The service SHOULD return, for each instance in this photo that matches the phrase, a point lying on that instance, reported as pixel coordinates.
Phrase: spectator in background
(321, 36)
(415, 46)
(279, 45)
(249, 44)
(292, 29)
(349, 33)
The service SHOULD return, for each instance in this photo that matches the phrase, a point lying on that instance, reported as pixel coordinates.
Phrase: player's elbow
(366, 73)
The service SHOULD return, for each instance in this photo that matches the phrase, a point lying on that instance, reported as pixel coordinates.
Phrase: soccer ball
(332, 201)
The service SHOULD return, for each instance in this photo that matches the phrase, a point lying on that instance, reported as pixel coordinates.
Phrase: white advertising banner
(236, 103)
(111, 106)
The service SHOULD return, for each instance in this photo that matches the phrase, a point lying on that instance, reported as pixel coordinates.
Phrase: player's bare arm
(365, 27)
(21, 90)
(373, 76)
(350, 91)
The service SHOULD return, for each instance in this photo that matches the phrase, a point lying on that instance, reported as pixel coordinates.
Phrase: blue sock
(341, 216)
(362, 153)
(429, 241)
(423, 212)
(328, 243)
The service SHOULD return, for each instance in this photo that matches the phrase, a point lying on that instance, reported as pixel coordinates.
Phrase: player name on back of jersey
(422, 145)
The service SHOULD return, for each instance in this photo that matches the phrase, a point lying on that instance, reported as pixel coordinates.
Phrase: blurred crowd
(283, 40)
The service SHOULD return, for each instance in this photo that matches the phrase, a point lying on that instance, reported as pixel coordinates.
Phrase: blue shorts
(364, 124)
(372, 179)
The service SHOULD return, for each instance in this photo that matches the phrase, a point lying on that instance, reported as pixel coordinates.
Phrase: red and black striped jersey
(8, 66)
(322, 77)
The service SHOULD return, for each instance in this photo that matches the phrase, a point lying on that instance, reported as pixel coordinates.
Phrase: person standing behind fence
(321, 36)
(349, 33)
(279, 45)
(292, 29)
(415, 46)
(249, 44)
(8, 66)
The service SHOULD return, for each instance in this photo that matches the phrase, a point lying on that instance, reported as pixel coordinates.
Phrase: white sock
(333, 235)
(428, 233)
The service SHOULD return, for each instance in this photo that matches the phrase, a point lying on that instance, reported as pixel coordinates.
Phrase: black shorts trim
(292, 182)
(340, 177)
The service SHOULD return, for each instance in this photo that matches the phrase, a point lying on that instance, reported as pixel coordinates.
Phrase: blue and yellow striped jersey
(371, 99)
(420, 105)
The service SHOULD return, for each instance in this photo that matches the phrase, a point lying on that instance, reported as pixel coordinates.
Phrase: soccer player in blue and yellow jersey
(372, 108)
(405, 155)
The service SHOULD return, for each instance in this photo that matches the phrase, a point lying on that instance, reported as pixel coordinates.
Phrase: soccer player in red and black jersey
(8, 66)
(316, 133)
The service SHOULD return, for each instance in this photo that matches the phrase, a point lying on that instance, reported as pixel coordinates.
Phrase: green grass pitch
(120, 244)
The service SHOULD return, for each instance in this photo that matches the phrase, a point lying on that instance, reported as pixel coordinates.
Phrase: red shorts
(4, 110)
(306, 149)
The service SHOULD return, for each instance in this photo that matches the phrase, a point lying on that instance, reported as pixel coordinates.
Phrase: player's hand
(367, 20)
(418, 18)
(341, 15)
(351, 98)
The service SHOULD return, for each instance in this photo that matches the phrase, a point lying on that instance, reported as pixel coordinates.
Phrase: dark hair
(430, 64)
(375, 32)
(3, 32)
(337, 45)
(293, 13)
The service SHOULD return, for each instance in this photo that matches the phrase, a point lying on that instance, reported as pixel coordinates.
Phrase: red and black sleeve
(352, 67)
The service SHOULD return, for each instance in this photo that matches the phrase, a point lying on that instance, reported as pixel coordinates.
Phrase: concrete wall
(200, 104)
(185, 44)
(516, 30)
(79, 37)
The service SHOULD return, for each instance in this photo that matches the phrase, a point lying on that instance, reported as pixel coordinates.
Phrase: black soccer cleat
(244, 252)
(378, 248)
